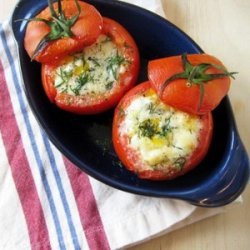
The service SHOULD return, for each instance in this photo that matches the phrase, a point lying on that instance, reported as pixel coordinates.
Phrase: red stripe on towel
(87, 207)
(22, 176)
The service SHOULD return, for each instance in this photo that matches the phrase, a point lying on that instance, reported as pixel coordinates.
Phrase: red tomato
(132, 158)
(96, 103)
(197, 97)
(85, 30)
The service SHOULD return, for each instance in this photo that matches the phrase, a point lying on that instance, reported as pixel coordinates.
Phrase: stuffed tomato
(156, 141)
(95, 79)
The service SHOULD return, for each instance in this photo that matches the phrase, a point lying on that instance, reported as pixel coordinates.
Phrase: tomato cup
(132, 158)
(93, 103)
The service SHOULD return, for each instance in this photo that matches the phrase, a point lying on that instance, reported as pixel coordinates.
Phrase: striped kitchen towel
(48, 203)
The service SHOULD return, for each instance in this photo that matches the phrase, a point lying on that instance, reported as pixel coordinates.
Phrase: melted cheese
(94, 71)
(161, 134)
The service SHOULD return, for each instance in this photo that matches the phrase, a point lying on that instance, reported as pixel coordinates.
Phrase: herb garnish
(114, 63)
(95, 61)
(65, 76)
(109, 85)
(151, 108)
(166, 128)
(148, 128)
(81, 81)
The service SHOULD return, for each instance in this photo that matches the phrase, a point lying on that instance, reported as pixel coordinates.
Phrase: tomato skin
(186, 98)
(96, 104)
(131, 159)
(86, 29)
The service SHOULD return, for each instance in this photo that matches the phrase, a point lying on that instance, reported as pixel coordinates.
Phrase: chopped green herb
(95, 61)
(177, 147)
(59, 84)
(151, 108)
(148, 129)
(65, 90)
(114, 63)
(166, 128)
(64, 75)
(81, 81)
(109, 85)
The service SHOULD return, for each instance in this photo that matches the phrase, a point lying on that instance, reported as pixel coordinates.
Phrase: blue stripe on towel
(39, 160)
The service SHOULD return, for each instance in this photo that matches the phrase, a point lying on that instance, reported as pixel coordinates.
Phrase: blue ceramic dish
(86, 140)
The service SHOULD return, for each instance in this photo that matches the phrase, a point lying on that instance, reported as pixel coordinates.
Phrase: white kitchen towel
(48, 203)
(151, 5)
